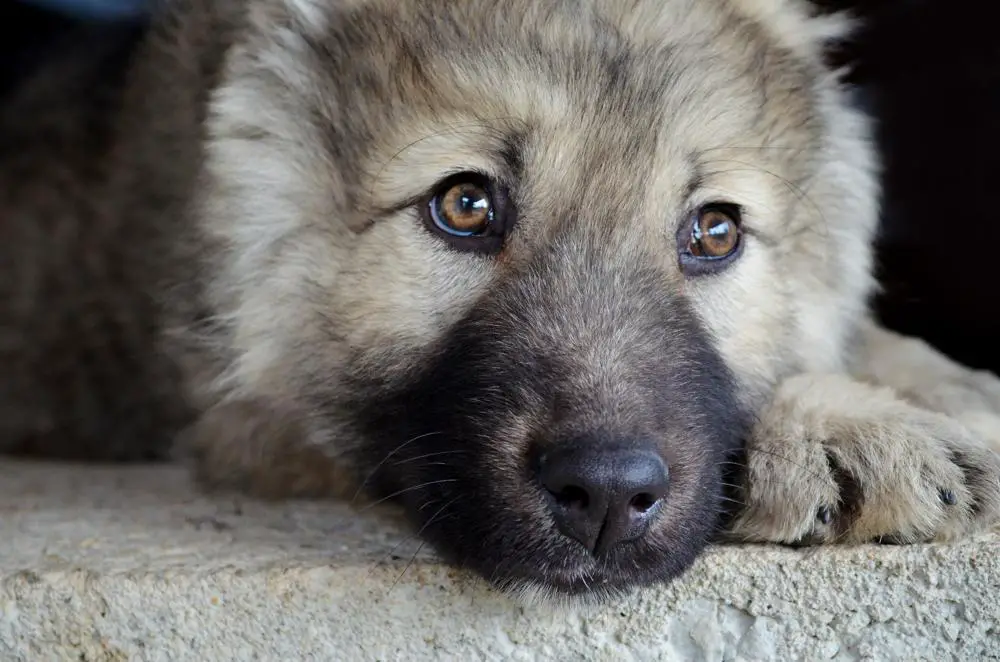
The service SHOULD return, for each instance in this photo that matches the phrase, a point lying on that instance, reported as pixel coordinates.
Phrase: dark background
(929, 71)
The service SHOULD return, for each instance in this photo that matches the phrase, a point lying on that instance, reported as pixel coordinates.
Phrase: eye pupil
(471, 203)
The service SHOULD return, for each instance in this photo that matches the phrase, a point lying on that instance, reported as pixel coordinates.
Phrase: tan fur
(304, 251)
(877, 463)
(798, 297)
(928, 379)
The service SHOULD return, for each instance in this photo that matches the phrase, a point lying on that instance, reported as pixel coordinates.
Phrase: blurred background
(929, 70)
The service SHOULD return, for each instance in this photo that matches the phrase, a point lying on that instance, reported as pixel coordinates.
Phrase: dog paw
(835, 460)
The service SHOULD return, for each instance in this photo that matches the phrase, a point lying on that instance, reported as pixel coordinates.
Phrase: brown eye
(710, 239)
(714, 234)
(470, 212)
(464, 209)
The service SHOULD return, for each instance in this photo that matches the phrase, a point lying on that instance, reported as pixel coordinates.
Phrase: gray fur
(224, 248)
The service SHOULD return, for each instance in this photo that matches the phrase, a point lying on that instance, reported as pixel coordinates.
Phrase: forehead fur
(600, 110)
(452, 86)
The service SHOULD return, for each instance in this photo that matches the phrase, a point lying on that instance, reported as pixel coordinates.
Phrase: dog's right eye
(467, 210)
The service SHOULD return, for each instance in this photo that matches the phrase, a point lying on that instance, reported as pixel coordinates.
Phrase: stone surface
(118, 564)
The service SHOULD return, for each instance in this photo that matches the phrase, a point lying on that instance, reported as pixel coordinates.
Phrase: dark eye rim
(489, 242)
(699, 265)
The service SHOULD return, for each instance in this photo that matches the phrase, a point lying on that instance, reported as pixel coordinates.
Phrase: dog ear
(801, 26)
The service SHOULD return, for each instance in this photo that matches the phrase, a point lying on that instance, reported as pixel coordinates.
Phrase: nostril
(572, 497)
(603, 495)
(642, 503)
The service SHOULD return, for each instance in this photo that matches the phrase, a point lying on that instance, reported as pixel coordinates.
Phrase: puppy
(574, 282)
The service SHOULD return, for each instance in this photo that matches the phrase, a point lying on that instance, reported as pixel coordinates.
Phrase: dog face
(530, 267)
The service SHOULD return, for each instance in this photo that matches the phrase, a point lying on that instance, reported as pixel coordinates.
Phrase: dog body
(544, 272)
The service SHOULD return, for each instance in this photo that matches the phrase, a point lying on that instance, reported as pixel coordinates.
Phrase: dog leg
(927, 378)
(261, 448)
(834, 459)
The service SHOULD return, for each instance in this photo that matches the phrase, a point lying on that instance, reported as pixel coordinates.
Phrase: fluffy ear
(798, 24)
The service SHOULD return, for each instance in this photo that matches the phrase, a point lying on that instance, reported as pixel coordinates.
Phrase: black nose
(603, 496)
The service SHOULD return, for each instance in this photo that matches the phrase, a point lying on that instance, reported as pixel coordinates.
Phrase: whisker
(430, 521)
(392, 552)
(435, 464)
(412, 536)
(407, 566)
(429, 503)
(426, 455)
(782, 457)
(386, 458)
(451, 129)
(795, 189)
(405, 490)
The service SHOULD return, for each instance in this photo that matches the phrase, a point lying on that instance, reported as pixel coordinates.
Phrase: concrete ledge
(130, 564)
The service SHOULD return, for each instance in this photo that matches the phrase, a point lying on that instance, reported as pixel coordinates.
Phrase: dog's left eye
(467, 210)
(710, 239)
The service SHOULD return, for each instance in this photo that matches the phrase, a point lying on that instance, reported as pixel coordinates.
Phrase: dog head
(532, 266)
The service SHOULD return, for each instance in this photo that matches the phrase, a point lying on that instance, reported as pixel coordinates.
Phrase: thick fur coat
(438, 251)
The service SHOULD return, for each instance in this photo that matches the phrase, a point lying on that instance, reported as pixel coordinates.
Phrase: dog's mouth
(584, 521)
(577, 460)
(544, 514)
(590, 583)
(545, 567)
(565, 516)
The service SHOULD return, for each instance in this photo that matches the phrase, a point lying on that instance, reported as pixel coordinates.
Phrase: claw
(824, 514)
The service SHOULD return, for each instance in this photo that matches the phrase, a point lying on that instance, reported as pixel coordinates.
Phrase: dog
(583, 285)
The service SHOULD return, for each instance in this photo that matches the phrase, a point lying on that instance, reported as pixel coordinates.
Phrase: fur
(221, 252)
